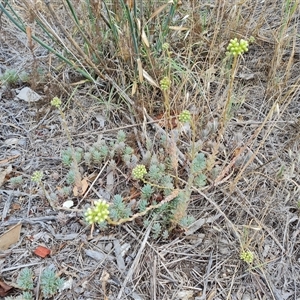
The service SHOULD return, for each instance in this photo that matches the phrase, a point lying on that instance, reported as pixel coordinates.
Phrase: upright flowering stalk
(56, 102)
(37, 177)
(235, 48)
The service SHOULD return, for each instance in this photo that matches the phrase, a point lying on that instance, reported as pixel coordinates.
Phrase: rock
(28, 95)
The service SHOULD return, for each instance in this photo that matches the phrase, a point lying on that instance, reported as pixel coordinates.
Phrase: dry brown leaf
(79, 82)
(10, 237)
(150, 79)
(104, 278)
(179, 28)
(140, 69)
(159, 10)
(4, 289)
(84, 186)
(144, 36)
(5, 161)
(134, 88)
(3, 174)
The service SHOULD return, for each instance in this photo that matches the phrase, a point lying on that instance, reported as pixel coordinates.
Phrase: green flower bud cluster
(56, 102)
(185, 116)
(165, 83)
(98, 213)
(236, 47)
(139, 172)
(247, 256)
(37, 176)
(165, 46)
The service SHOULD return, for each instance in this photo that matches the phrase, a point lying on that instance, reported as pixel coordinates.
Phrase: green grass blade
(23, 29)
(21, 26)
(133, 30)
(112, 24)
(73, 12)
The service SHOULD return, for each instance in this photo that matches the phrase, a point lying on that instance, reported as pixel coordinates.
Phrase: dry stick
(29, 220)
(135, 262)
(20, 267)
(241, 150)
(254, 218)
(223, 122)
(205, 281)
(217, 207)
(84, 196)
(154, 279)
(295, 89)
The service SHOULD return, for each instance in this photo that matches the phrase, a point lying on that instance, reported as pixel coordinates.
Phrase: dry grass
(252, 203)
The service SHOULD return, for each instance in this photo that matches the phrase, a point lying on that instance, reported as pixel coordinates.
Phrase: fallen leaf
(11, 141)
(67, 285)
(5, 161)
(185, 295)
(200, 222)
(83, 188)
(150, 79)
(16, 206)
(98, 256)
(118, 253)
(11, 236)
(110, 181)
(246, 76)
(79, 82)
(179, 28)
(101, 119)
(4, 173)
(159, 10)
(68, 204)
(42, 251)
(104, 278)
(4, 289)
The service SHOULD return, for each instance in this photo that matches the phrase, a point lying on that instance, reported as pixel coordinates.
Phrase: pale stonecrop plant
(50, 284)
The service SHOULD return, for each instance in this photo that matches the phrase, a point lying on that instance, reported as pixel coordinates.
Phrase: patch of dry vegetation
(125, 71)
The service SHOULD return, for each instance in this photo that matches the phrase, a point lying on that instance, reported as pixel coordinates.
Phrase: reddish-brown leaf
(4, 289)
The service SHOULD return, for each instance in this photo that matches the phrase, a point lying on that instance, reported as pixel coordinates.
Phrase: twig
(135, 262)
(19, 267)
(91, 186)
(29, 220)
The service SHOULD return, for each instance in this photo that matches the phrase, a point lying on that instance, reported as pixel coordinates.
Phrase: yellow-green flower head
(56, 102)
(98, 213)
(236, 47)
(165, 46)
(165, 83)
(185, 116)
(247, 256)
(37, 176)
(139, 172)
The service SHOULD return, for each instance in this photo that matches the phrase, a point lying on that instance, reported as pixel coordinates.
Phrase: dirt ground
(126, 262)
